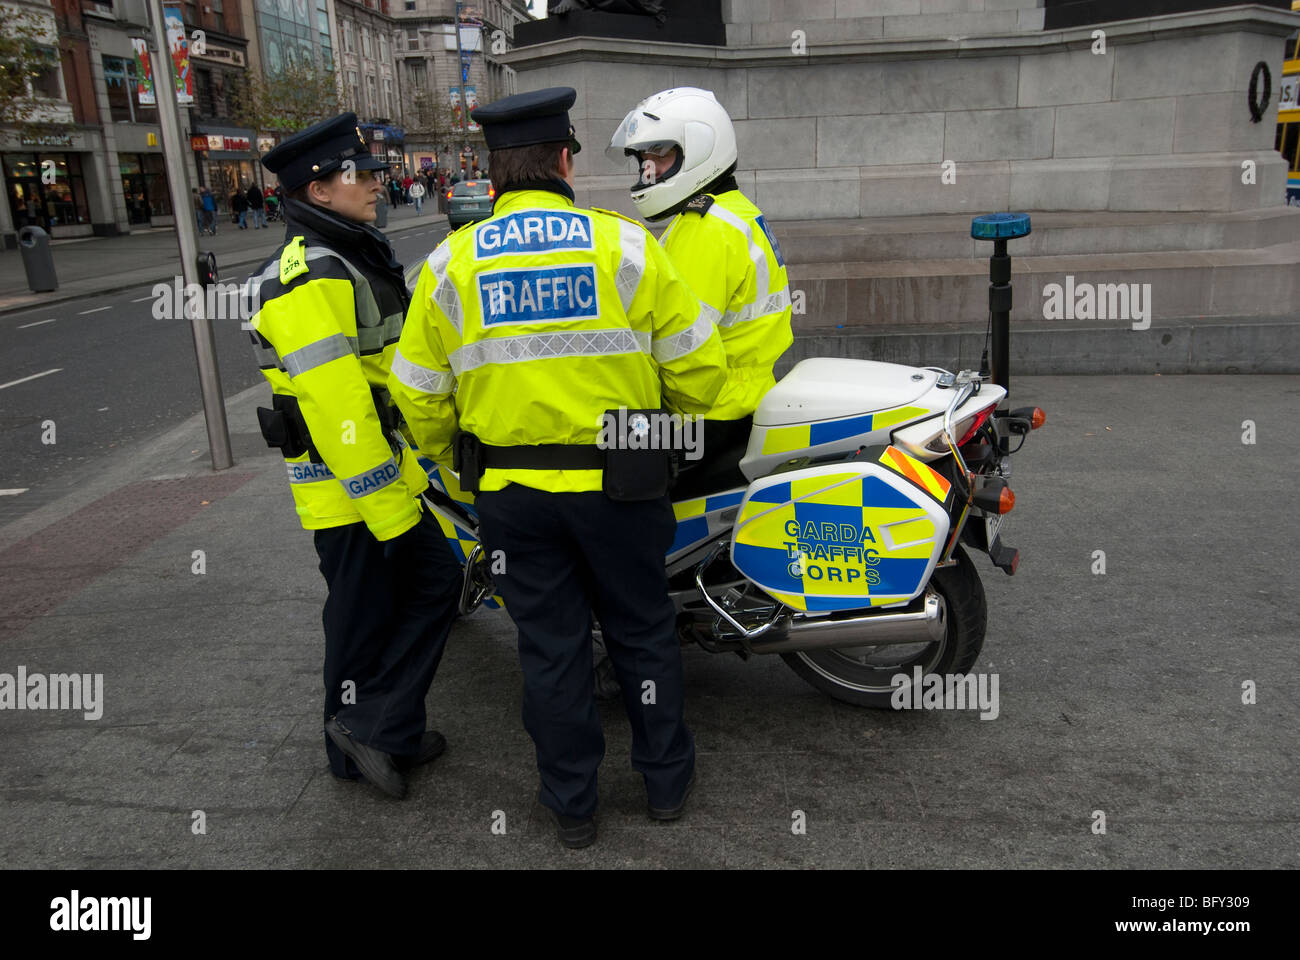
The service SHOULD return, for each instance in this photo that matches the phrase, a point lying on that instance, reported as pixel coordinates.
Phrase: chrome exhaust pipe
(926, 625)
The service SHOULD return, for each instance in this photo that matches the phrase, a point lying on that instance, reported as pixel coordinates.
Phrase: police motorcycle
(845, 544)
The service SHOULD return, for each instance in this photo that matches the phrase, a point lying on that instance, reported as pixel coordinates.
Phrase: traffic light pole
(205, 350)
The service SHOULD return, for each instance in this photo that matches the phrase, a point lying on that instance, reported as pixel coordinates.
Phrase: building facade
(52, 166)
(434, 81)
(90, 160)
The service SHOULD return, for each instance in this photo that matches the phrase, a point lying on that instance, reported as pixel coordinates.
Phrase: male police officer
(330, 306)
(525, 331)
(685, 145)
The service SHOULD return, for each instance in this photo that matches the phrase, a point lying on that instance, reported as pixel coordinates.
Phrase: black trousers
(389, 610)
(565, 555)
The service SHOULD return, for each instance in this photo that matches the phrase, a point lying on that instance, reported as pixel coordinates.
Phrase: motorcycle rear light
(979, 419)
(965, 429)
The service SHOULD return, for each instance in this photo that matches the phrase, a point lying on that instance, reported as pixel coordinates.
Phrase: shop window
(48, 205)
(121, 88)
(120, 78)
(160, 201)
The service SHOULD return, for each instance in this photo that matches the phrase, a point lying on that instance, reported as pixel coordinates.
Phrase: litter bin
(381, 212)
(38, 260)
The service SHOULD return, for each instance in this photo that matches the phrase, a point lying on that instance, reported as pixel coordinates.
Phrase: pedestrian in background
(239, 209)
(257, 206)
(209, 211)
(197, 199)
(417, 196)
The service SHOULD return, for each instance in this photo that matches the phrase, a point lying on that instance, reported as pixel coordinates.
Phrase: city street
(1121, 691)
(107, 373)
(1079, 653)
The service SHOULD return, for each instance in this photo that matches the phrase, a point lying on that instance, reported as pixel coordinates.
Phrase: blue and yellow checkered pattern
(837, 541)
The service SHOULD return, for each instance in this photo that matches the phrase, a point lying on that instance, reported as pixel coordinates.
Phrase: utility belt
(283, 425)
(629, 474)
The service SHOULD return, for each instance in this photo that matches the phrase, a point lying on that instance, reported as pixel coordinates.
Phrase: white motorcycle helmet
(689, 119)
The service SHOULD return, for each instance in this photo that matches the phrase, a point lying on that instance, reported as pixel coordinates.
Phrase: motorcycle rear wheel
(862, 675)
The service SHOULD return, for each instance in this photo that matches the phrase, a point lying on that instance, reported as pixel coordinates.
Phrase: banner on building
(143, 73)
(471, 101)
(453, 94)
(179, 47)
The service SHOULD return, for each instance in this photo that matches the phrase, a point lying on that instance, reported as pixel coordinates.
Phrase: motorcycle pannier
(839, 537)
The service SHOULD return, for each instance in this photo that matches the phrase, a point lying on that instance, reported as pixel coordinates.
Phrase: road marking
(34, 376)
(37, 323)
(96, 310)
(14, 492)
(142, 299)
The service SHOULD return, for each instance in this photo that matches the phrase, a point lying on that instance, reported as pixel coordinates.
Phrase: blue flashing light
(1000, 226)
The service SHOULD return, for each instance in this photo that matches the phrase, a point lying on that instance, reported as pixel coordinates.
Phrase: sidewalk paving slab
(1120, 692)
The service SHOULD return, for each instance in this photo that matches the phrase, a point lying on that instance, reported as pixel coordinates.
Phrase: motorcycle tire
(852, 679)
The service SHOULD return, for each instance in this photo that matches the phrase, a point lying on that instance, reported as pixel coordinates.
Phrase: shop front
(226, 161)
(45, 187)
(387, 143)
(144, 186)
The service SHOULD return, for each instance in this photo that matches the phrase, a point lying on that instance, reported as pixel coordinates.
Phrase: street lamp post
(464, 99)
(205, 352)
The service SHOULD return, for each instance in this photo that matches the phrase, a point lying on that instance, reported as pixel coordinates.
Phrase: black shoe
(573, 832)
(375, 765)
(432, 745)
(673, 813)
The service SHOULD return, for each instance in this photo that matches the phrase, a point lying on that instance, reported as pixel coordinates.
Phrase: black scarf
(365, 248)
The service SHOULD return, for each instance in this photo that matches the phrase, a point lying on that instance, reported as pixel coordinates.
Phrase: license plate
(992, 527)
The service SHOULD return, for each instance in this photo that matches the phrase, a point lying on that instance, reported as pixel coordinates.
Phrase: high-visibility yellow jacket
(325, 331)
(527, 327)
(729, 257)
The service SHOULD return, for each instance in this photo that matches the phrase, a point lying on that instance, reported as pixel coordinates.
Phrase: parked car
(469, 201)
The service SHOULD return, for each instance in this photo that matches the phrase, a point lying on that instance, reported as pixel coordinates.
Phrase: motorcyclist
(685, 149)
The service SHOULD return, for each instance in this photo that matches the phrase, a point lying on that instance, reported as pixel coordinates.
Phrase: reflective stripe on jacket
(733, 263)
(319, 337)
(526, 327)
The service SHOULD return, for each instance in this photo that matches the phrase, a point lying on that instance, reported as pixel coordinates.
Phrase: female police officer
(329, 308)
